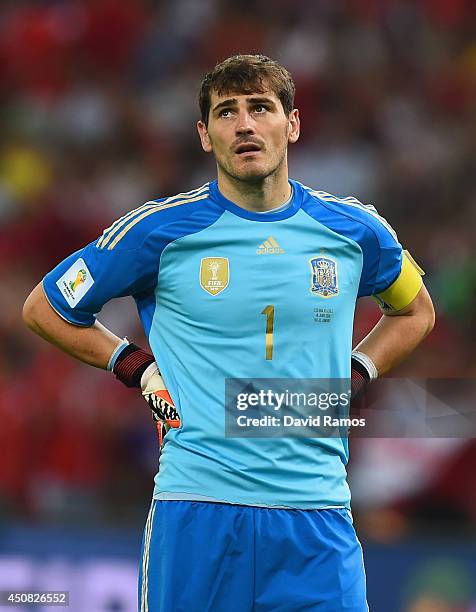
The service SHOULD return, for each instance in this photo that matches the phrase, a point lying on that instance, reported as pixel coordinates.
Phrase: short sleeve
(389, 266)
(382, 253)
(81, 284)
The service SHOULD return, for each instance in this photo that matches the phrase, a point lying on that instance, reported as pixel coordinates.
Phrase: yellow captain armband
(404, 289)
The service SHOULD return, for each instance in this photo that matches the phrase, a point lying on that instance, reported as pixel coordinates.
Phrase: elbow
(30, 311)
(425, 311)
(430, 324)
(428, 320)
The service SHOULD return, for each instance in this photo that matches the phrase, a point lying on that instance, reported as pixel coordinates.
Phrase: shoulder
(354, 218)
(130, 230)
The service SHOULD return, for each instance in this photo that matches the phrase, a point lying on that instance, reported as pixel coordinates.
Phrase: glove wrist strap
(366, 363)
(363, 371)
(130, 365)
(117, 351)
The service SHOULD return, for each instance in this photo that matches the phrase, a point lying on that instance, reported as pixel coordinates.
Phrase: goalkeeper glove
(161, 404)
(135, 367)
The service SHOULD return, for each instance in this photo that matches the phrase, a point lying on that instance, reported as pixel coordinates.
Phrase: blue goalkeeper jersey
(202, 270)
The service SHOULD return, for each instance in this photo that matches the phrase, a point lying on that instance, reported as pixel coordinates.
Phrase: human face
(248, 134)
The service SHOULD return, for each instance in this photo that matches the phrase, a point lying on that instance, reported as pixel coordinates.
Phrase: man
(228, 279)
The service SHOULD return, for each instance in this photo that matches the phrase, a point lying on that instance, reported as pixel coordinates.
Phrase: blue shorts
(212, 557)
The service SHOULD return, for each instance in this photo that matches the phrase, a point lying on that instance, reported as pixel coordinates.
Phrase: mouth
(247, 148)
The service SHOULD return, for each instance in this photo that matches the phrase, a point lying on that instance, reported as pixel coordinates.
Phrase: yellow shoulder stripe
(405, 288)
(150, 211)
(109, 232)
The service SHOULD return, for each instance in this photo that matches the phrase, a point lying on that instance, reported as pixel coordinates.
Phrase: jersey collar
(253, 216)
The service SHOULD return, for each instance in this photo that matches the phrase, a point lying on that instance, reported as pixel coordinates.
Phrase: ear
(294, 126)
(204, 137)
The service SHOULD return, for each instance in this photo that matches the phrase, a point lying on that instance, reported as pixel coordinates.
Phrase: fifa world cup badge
(324, 276)
(75, 282)
(214, 274)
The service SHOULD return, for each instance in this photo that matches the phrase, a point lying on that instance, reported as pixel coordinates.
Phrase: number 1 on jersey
(269, 312)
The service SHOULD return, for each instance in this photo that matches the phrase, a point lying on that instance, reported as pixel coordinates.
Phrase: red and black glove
(135, 367)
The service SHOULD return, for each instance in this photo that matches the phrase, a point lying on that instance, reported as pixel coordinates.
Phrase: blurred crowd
(98, 107)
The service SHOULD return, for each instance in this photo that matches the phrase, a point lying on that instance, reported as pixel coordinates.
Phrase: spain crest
(324, 276)
(214, 274)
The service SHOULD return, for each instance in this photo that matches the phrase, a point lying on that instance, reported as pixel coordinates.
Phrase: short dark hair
(247, 74)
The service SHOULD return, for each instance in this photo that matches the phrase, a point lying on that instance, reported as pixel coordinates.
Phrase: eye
(260, 109)
(225, 112)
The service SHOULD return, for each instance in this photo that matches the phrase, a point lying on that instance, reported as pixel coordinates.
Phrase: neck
(256, 196)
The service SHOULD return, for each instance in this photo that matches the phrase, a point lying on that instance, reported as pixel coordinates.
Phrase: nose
(244, 124)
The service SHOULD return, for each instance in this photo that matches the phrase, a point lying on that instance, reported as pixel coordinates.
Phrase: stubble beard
(253, 176)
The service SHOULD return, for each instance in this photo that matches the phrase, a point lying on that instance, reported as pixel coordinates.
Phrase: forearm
(93, 345)
(393, 339)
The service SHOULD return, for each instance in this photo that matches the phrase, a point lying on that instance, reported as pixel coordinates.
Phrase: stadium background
(98, 105)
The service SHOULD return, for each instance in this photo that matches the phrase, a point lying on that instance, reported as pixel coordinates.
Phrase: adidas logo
(269, 247)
